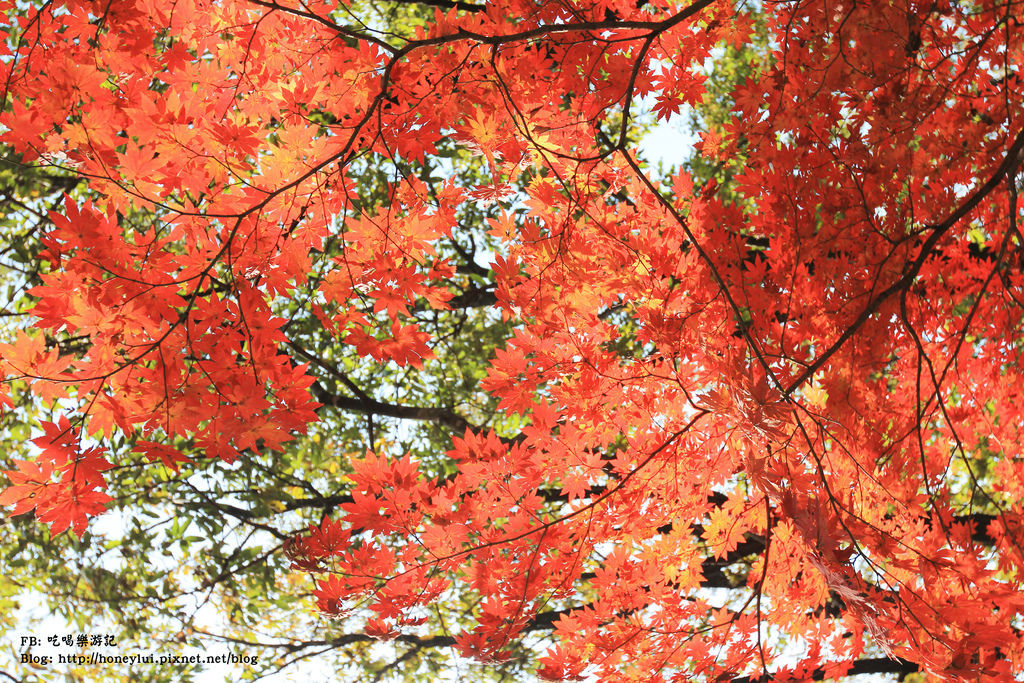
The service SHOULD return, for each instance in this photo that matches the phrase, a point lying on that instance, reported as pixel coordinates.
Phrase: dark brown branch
(449, 4)
(873, 665)
(339, 641)
(324, 21)
(474, 297)
(372, 406)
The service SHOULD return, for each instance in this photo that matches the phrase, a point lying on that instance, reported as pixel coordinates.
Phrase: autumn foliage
(768, 403)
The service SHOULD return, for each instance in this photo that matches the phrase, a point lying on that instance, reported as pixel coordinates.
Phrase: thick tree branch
(368, 405)
(874, 665)
(447, 4)
(474, 297)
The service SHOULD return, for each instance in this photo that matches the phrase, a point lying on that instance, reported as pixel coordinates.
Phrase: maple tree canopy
(384, 298)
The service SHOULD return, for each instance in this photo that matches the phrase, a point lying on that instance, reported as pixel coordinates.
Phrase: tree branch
(372, 406)
(873, 665)
(450, 4)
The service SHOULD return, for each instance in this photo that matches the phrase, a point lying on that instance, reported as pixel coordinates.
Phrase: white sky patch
(670, 142)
